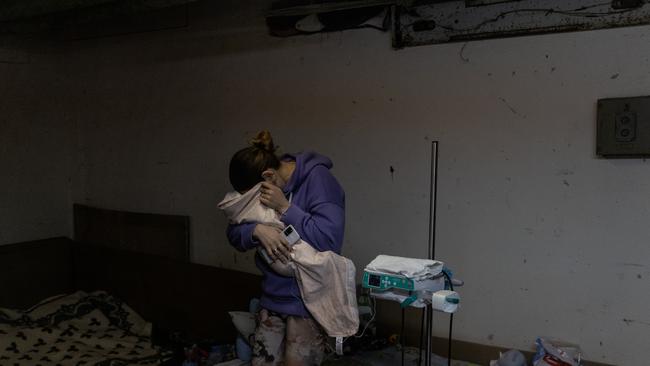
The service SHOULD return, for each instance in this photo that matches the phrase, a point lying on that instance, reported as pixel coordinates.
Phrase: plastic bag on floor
(555, 353)
(510, 358)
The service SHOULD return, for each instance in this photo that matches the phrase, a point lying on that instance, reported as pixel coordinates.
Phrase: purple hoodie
(317, 211)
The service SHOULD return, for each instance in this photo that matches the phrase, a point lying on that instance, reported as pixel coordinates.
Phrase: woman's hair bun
(264, 141)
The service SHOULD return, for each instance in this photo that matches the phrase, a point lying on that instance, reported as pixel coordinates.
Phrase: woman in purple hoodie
(302, 190)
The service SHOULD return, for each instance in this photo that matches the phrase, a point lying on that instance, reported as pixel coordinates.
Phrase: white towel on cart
(408, 267)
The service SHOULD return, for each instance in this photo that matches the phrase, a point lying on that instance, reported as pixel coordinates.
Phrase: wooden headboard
(163, 235)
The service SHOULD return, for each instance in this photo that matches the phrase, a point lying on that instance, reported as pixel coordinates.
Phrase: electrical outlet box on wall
(623, 127)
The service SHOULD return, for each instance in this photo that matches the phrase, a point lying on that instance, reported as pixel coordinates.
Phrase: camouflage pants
(286, 340)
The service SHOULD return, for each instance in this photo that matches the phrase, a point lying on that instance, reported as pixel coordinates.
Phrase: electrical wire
(372, 318)
(374, 312)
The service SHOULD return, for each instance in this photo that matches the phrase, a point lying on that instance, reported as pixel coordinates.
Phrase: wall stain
(564, 172)
(614, 76)
(565, 183)
(512, 109)
(633, 265)
(392, 173)
(632, 321)
(462, 49)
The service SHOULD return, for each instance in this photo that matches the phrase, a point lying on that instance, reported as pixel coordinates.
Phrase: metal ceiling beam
(326, 7)
(455, 21)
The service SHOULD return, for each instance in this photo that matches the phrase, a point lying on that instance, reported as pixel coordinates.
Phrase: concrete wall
(36, 149)
(550, 239)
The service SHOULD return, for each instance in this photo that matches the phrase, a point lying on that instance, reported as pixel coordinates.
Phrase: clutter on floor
(556, 353)
(510, 358)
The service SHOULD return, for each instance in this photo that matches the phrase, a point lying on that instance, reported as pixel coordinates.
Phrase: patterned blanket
(78, 329)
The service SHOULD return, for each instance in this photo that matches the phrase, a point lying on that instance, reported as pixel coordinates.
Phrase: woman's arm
(240, 236)
(322, 222)
(248, 236)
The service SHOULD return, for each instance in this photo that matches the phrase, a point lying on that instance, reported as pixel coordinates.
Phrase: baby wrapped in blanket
(326, 279)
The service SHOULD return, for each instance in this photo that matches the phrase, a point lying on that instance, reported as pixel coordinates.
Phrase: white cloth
(328, 288)
(242, 208)
(245, 208)
(409, 267)
(326, 279)
(244, 321)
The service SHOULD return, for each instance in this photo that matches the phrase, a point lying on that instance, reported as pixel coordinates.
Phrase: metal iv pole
(433, 185)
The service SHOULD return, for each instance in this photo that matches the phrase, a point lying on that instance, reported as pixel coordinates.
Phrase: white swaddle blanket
(245, 208)
(326, 279)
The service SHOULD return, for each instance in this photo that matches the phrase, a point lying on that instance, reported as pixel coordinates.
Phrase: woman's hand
(273, 241)
(273, 197)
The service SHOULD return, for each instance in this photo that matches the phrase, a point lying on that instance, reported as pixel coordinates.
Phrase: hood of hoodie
(305, 162)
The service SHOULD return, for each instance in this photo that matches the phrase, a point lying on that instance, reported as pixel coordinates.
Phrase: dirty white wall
(36, 142)
(550, 239)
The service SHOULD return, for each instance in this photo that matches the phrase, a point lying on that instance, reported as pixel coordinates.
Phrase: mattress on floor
(78, 329)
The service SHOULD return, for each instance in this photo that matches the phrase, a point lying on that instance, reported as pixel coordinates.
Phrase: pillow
(244, 322)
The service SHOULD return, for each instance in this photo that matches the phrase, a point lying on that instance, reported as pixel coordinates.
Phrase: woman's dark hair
(247, 165)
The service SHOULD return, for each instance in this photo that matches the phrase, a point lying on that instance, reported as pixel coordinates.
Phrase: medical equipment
(426, 287)
(408, 291)
(291, 235)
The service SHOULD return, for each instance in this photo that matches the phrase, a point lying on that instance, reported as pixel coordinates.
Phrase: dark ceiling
(17, 10)
(89, 18)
